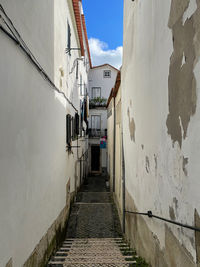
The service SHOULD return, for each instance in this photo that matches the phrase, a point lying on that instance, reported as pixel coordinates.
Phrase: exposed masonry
(182, 82)
(131, 126)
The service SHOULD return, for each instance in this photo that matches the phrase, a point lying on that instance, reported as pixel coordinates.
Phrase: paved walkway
(94, 215)
(94, 236)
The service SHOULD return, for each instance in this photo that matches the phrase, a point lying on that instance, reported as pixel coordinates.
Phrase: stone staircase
(94, 237)
(93, 252)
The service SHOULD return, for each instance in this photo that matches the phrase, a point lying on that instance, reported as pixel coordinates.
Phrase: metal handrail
(151, 215)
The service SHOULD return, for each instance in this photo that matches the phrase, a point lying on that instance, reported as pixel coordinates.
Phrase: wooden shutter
(68, 129)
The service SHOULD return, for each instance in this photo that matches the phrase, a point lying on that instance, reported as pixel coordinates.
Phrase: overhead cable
(16, 37)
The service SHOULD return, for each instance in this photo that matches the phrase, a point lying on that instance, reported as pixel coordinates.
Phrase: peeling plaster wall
(161, 126)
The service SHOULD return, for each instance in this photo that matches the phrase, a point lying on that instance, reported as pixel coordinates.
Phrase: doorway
(95, 158)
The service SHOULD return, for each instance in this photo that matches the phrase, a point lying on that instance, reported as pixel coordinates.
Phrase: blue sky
(104, 20)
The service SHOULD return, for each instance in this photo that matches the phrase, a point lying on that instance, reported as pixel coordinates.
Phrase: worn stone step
(121, 257)
(89, 264)
(93, 239)
(90, 245)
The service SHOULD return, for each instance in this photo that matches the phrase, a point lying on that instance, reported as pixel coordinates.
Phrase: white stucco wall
(34, 164)
(110, 123)
(96, 79)
(155, 176)
(118, 149)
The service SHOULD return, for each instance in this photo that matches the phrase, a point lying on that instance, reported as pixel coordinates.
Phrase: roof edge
(106, 64)
(86, 38)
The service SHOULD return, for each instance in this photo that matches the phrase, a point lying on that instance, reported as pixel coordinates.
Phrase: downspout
(114, 142)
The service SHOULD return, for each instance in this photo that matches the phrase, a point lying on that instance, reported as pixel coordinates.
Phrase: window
(96, 92)
(69, 38)
(96, 122)
(76, 124)
(68, 130)
(107, 74)
(77, 69)
(72, 128)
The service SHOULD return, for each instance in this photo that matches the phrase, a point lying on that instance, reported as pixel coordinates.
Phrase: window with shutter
(77, 124)
(68, 129)
(69, 38)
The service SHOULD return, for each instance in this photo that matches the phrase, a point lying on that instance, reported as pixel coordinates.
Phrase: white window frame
(95, 88)
(107, 71)
(99, 121)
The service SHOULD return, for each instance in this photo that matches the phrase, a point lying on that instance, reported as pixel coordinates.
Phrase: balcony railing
(98, 102)
(96, 133)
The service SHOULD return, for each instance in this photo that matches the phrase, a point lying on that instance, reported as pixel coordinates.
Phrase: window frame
(100, 122)
(68, 129)
(93, 93)
(106, 76)
(69, 38)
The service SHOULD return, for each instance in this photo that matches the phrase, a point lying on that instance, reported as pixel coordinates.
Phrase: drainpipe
(114, 142)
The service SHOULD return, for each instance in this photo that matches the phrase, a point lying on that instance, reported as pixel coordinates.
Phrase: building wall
(118, 190)
(38, 175)
(160, 110)
(110, 123)
(118, 154)
(96, 79)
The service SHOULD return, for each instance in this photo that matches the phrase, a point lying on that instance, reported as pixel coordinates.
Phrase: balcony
(98, 102)
(95, 133)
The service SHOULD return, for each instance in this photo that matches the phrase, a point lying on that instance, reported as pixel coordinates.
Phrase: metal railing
(151, 215)
(96, 133)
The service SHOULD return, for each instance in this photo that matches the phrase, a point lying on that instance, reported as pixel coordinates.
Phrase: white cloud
(101, 53)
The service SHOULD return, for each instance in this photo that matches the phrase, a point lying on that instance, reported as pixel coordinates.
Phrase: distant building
(101, 80)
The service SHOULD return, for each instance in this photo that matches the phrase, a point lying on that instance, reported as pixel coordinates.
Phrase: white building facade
(161, 129)
(101, 80)
(44, 67)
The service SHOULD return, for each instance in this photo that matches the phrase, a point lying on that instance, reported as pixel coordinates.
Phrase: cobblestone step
(92, 252)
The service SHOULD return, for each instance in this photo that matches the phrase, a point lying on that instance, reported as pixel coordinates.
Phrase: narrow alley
(99, 133)
(94, 236)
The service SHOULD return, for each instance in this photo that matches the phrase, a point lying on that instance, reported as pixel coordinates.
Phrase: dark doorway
(95, 158)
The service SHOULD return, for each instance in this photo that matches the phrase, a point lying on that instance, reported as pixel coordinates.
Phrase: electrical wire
(16, 37)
